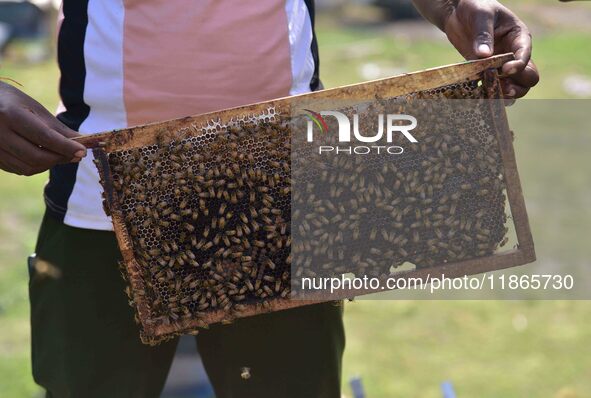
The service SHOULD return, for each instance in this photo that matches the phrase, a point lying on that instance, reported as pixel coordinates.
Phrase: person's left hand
(481, 28)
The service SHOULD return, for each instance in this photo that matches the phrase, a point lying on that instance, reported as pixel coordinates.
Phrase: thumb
(483, 34)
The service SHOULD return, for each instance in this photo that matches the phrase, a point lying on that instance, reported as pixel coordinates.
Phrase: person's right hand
(32, 140)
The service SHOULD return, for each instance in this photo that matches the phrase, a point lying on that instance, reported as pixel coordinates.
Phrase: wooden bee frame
(155, 329)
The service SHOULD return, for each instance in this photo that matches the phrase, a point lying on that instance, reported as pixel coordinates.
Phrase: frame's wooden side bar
(132, 268)
(512, 181)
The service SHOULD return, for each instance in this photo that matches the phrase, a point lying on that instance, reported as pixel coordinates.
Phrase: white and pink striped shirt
(130, 62)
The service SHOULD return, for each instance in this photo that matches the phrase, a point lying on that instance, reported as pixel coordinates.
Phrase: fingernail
(81, 153)
(511, 92)
(75, 160)
(484, 48)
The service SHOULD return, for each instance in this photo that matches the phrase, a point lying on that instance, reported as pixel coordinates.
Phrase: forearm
(435, 11)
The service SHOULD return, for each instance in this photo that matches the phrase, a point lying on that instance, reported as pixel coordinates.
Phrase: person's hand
(481, 28)
(32, 140)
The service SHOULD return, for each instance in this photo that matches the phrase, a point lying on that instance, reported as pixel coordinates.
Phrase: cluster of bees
(442, 200)
(208, 218)
(231, 218)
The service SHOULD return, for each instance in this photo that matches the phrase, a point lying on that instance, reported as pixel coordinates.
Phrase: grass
(405, 348)
(21, 207)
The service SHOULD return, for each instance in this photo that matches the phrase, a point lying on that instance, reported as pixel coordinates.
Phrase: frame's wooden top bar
(389, 87)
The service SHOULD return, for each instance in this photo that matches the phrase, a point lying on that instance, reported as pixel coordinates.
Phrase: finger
(30, 153)
(509, 102)
(512, 90)
(520, 44)
(520, 91)
(483, 32)
(528, 77)
(6, 167)
(17, 166)
(30, 126)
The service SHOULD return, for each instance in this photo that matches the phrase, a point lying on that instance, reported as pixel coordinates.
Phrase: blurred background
(398, 348)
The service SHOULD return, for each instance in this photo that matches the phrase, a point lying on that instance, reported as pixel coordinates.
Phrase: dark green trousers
(86, 344)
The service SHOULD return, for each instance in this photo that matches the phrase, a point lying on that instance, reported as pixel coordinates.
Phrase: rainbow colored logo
(317, 119)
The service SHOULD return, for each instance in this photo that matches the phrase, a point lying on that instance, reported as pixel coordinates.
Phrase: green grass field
(404, 348)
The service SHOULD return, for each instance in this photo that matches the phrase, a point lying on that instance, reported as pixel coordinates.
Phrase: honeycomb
(441, 201)
(226, 222)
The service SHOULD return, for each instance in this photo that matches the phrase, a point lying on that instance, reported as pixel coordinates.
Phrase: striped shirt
(130, 62)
